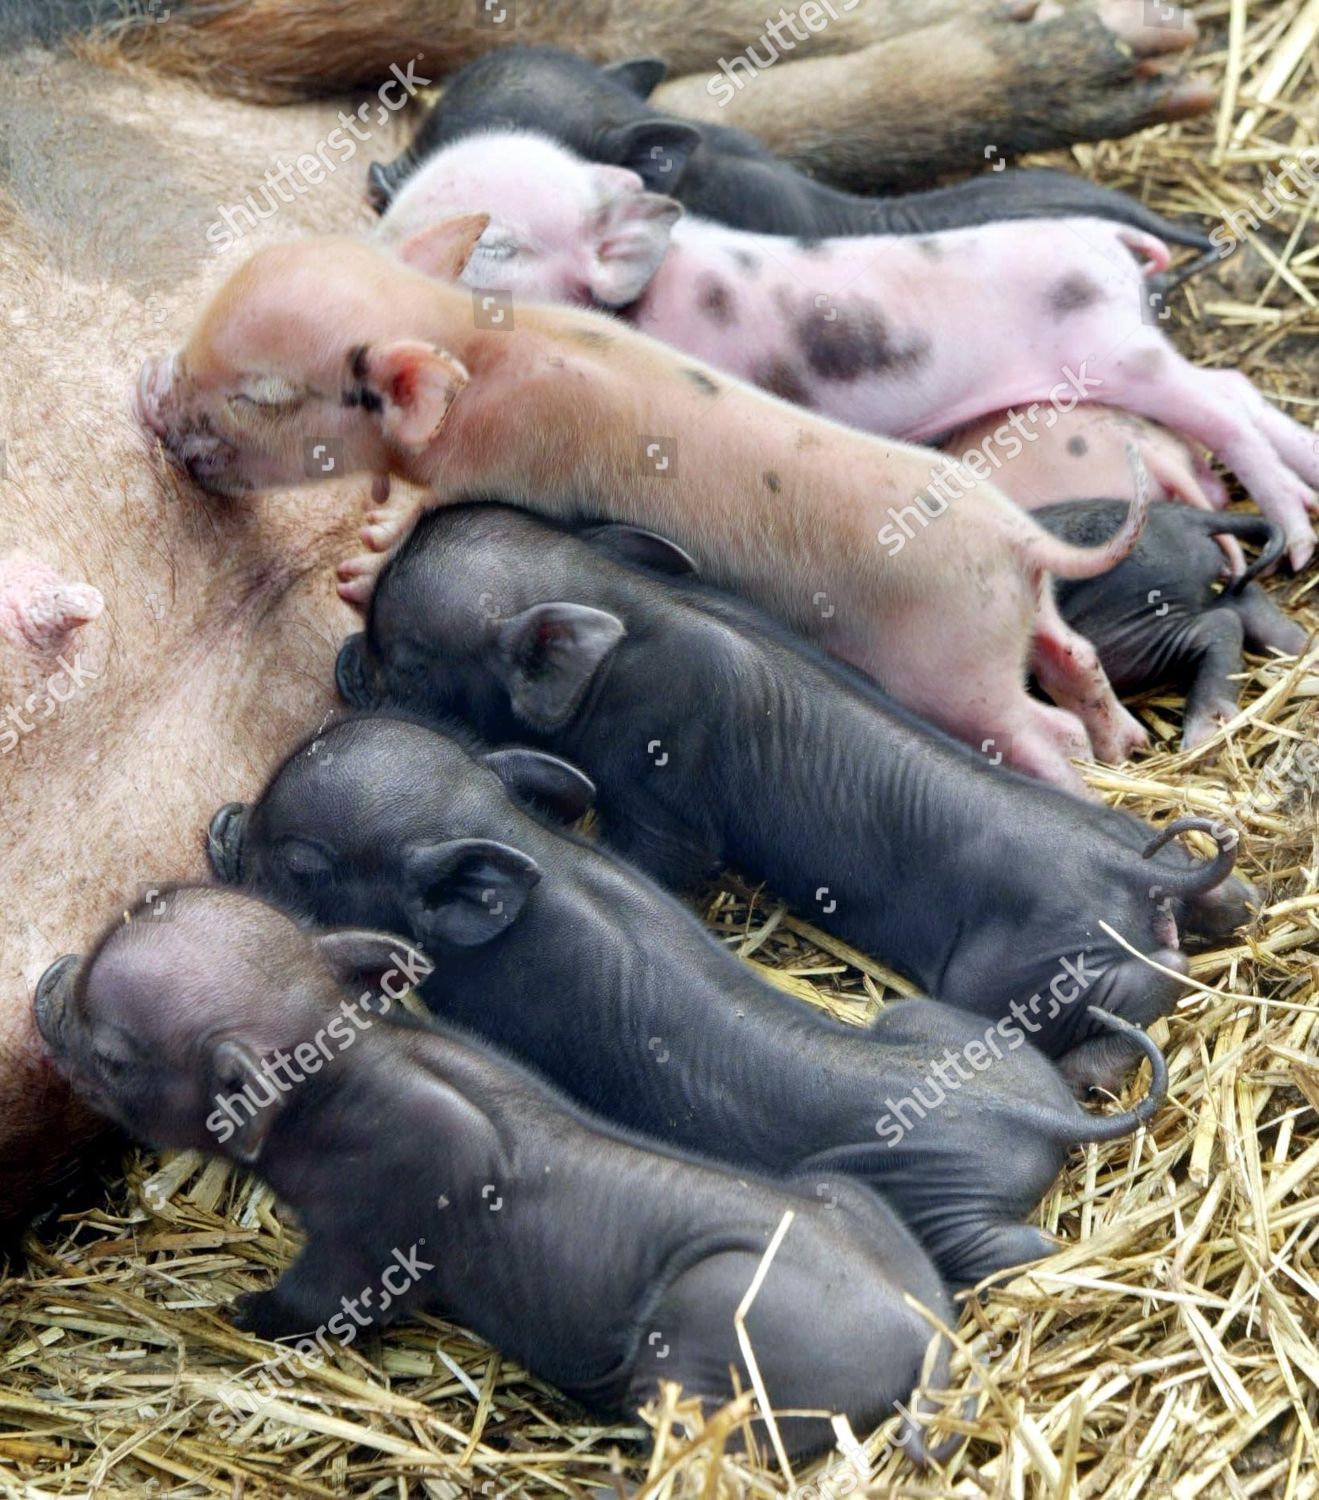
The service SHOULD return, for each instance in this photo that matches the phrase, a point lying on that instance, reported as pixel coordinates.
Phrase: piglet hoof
(1234, 559)
(262, 1314)
(385, 529)
(1300, 548)
(1201, 727)
(357, 579)
(1128, 736)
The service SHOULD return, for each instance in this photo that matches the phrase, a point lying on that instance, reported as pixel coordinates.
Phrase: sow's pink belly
(157, 656)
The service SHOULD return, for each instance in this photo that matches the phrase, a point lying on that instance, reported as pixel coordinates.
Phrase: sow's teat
(39, 610)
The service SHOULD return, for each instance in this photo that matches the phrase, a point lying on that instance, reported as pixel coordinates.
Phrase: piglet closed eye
(414, 385)
(719, 172)
(872, 331)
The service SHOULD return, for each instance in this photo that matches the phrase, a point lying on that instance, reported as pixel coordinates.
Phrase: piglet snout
(224, 841)
(350, 673)
(153, 384)
(51, 997)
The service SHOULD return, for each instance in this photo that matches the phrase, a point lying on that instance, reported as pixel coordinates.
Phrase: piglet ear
(365, 961)
(629, 240)
(443, 250)
(657, 149)
(545, 781)
(415, 384)
(547, 657)
(466, 891)
(641, 548)
(244, 1094)
(639, 75)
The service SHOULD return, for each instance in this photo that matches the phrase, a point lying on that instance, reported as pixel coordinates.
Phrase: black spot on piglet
(360, 394)
(782, 379)
(1074, 293)
(845, 340)
(714, 299)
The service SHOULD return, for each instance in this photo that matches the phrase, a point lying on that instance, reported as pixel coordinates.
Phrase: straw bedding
(1168, 1351)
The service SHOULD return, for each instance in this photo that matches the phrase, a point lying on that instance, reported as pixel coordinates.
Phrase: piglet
(1159, 616)
(332, 347)
(716, 738)
(1078, 454)
(719, 172)
(569, 959)
(1086, 452)
(209, 1021)
(905, 337)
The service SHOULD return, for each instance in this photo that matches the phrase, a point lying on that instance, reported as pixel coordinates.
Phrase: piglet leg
(1043, 741)
(993, 1251)
(977, 695)
(1187, 479)
(1297, 446)
(1210, 484)
(1174, 474)
(382, 532)
(1068, 668)
(308, 1294)
(1267, 628)
(1213, 698)
(1273, 456)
